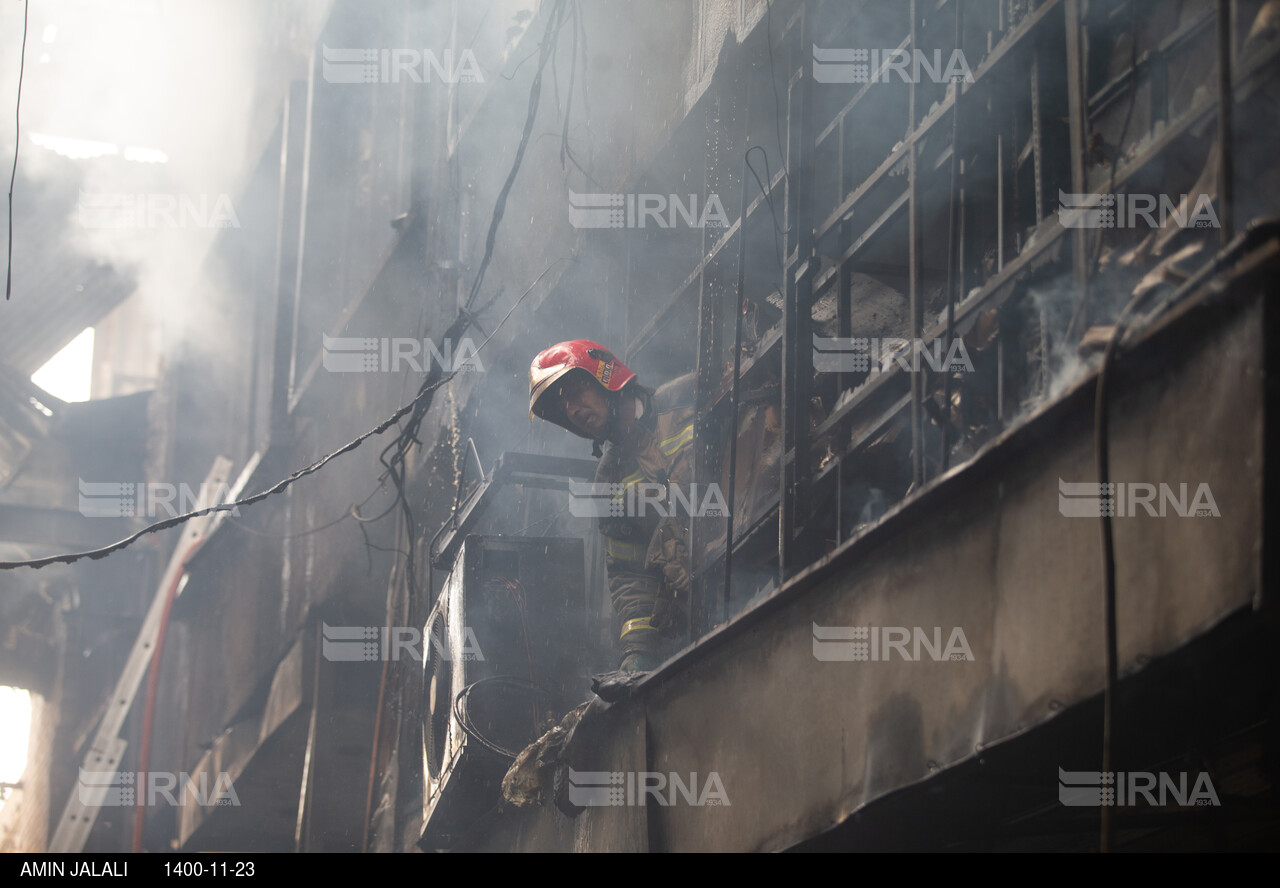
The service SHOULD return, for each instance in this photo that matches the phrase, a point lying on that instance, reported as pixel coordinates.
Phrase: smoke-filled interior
(890, 253)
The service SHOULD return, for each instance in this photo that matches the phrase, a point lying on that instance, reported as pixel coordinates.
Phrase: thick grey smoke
(151, 107)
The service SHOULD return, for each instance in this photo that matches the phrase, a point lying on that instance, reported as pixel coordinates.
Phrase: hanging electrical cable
(17, 141)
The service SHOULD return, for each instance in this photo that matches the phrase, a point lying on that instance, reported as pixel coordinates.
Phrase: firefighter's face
(585, 404)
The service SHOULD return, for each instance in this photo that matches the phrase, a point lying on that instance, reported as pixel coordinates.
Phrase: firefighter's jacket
(646, 551)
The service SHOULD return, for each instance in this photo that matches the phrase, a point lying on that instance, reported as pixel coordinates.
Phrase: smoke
(1046, 313)
(1051, 306)
(145, 117)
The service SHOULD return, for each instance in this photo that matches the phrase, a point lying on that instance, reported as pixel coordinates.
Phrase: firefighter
(644, 440)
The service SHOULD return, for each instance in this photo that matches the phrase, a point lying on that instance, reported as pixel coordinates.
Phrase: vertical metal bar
(708, 375)
(914, 272)
(1037, 137)
(797, 339)
(953, 231)
(844, 290)
(737, 372)
(804, 282)
(303, 190)
(288, 229)
(1000, 226)
(1013, 195)
(962, 278)
(844, 316)
(1226, 148)
(840, 495)
(786, 506)
(1000, 377)
(1000, 198)
(1077, 127)
(302, 827)
(844, 307)
(1000, 137)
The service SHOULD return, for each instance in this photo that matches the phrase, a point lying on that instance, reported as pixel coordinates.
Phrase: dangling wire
(17, 141)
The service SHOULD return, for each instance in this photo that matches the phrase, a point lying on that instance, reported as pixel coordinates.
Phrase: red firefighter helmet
(552, 365)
